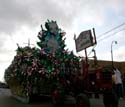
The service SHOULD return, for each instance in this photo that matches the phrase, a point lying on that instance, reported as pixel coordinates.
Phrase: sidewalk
(5, 91)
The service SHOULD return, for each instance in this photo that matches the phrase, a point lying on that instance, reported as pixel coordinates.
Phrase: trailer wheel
(57, 99)
(82, 101)
(110, 98)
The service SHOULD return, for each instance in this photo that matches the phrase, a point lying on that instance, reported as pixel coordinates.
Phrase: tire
(82, 101)
(110, 98)
(57, 99)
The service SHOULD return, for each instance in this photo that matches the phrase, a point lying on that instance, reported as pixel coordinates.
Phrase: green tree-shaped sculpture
(40, 68)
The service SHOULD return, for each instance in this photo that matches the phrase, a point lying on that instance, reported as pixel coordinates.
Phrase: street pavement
(6, 100)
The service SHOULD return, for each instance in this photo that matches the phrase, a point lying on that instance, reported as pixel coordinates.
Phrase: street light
(112, 52)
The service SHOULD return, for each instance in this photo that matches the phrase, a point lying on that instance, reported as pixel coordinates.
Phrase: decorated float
(49, 69)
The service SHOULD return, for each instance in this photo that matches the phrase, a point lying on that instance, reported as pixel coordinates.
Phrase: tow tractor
(96, 79)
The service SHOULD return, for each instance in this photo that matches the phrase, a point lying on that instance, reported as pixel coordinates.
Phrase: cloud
(118, 5)
(2, 40)
(120, 54)
(21, 20)
(71, 15)
(16, 13)
(13, 15)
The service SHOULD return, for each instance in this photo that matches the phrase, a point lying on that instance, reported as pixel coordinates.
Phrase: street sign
(84, 40)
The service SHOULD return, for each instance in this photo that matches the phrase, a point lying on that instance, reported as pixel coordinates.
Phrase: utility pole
(95, 58)
(112, 52)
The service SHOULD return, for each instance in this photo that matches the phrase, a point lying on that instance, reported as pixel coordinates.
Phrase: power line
(110, 35)
(111, 30)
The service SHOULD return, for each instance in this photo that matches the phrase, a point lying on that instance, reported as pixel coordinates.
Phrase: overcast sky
(20, 20)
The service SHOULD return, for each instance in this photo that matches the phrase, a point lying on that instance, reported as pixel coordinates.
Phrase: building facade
(119, 65)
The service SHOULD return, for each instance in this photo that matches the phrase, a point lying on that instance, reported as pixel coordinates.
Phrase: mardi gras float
(43, 70)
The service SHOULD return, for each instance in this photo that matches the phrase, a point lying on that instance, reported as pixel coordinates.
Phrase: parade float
(48, 69)
(51, 69)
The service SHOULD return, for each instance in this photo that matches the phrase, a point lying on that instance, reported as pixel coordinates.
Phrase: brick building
(119, 65)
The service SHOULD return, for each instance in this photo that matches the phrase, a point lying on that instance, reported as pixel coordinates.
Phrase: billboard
(84, 40)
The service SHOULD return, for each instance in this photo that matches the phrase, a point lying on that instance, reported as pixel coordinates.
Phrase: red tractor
(98, 80)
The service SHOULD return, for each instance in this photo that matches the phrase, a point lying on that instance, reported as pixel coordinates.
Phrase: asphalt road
(6, 100)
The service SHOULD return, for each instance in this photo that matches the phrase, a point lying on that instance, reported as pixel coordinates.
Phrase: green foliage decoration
(35, 67)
